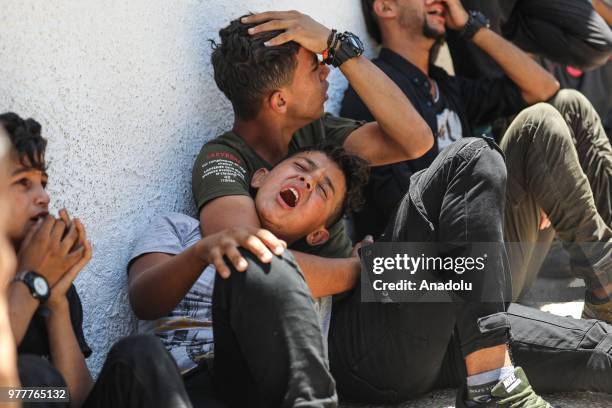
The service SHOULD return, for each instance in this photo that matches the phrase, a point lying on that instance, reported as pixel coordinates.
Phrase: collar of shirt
(409, 70)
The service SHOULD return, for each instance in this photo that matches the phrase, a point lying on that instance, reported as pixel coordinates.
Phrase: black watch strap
(343, 47)
(476, 21)
(36, 283)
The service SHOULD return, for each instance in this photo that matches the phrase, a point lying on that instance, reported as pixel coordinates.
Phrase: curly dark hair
(367, 7)
(356, 175)
(26, 139)
(246, 70)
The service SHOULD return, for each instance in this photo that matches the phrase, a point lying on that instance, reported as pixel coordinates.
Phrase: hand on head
(297, 27)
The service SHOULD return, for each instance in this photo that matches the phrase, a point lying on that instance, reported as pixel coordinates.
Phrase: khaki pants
(559, 159)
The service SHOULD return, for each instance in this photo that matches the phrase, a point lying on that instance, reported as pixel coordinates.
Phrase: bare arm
(8, 354)
(66, 353)
(22, 308)
(8, 349)
(324, 276)
(535, 82)
(400, 133)
(159, 281)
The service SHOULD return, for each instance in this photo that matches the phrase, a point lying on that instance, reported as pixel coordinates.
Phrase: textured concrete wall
(125, 94)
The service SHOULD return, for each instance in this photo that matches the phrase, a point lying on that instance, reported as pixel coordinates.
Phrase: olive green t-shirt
(226, 164)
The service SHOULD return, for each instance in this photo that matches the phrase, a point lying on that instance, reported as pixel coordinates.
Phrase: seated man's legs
(138, 372)
(577, 351)
(387, 352)
(269, 349)
(592, 146)
(544, 172)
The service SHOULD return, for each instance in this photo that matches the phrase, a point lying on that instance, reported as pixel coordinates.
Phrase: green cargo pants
(559, 160)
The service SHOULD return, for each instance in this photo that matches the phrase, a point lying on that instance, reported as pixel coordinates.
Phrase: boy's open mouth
(290, 196)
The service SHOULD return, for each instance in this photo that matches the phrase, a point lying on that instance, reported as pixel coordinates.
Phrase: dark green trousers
(559, 160)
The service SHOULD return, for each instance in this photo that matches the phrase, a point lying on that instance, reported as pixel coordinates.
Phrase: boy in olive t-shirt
(226, 164)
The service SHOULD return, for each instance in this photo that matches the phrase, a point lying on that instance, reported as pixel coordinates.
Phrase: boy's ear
(318, 237)
(277, 101)
(259, 177)
(385, 8)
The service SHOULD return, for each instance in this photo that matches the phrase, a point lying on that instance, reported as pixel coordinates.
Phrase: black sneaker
(513, 391)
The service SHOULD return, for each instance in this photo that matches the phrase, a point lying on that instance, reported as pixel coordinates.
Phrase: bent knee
(487, 157)
(541, 123)
(143, 346)
(281, 275)
(570, 98)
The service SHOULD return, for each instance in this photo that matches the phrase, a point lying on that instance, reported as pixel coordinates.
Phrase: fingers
(219, 263)
(277, 246)
(82, 235)
(31, 233)
(74, 257)
(63, 213)
(86, 254)
(269, 15)
(47, 226)
(236, 259)
(271, 25)
(257, 247)
(57, 232)
(280, 39)
(70, 239)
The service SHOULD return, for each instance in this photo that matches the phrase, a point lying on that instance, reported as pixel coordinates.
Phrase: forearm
(393, 111)
(535, 82)
(157, 290)
(22, 307)
(325, 276)
(8, 355)
(66, 354)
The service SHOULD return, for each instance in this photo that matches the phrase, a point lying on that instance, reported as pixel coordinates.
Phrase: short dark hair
(26, 139)
(367, 7)
(356, 175)
(246, 70)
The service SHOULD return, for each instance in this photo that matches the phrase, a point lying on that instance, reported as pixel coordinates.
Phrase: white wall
(125, 94)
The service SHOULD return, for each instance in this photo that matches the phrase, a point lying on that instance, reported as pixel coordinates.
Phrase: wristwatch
(476, 21)
(341, 48)
(39, 288)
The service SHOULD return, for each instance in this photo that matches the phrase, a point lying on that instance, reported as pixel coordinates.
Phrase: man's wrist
(342, 47)
(476, 21)
(58, 305)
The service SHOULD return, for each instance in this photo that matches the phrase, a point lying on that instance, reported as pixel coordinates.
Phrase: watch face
(41, 286)
(355, 42)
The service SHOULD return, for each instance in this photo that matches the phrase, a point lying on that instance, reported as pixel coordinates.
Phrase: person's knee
(137, 350)
(541, 126)
(572, 100)
(281, 275)
(487, 161)
(35, 371)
